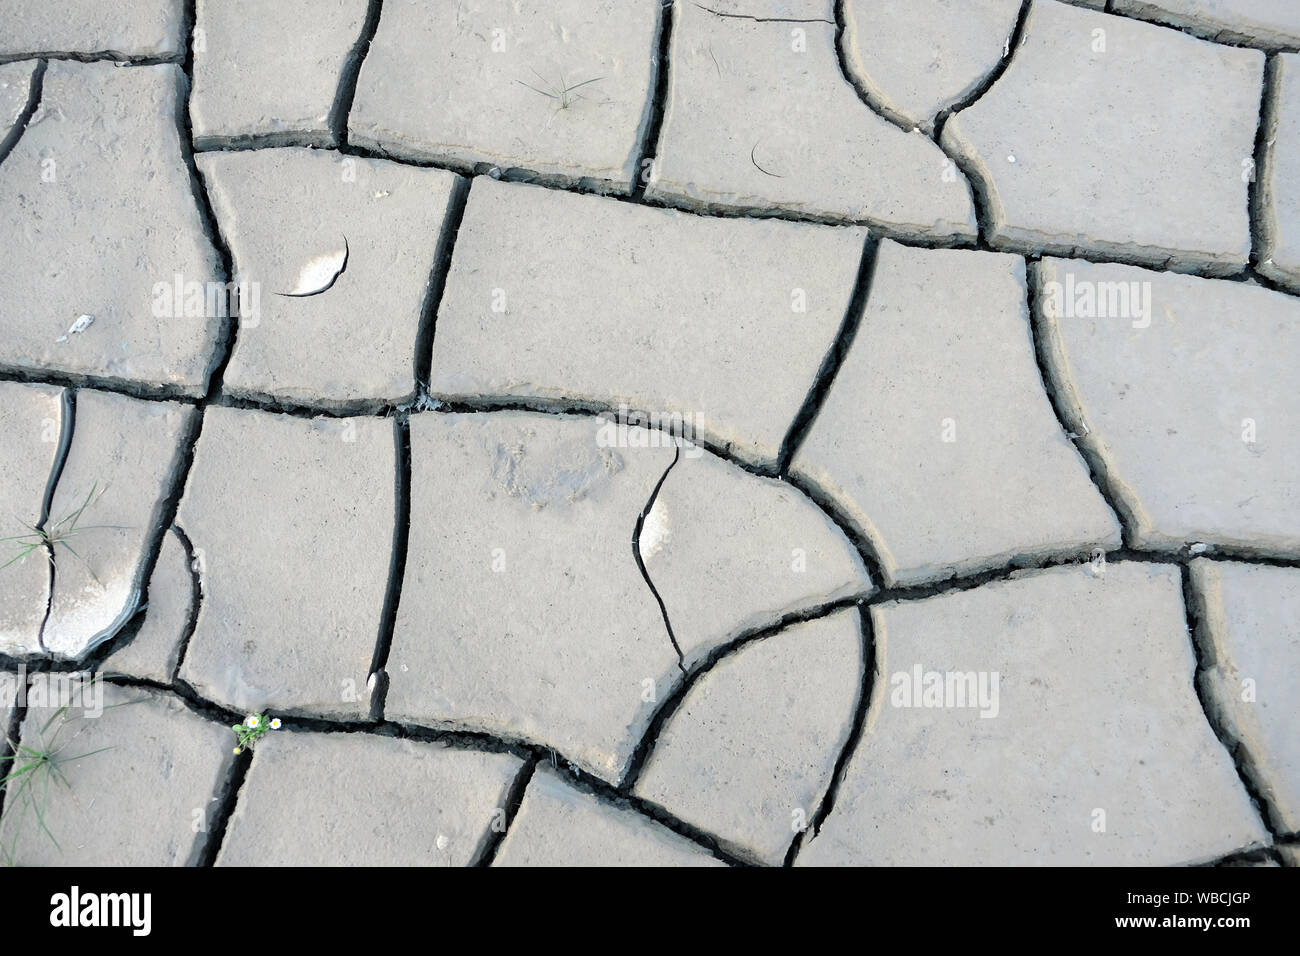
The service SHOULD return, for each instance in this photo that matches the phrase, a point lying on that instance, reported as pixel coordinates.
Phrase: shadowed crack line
(701, 838)
(226, 799)
(13, 732)
(745, 16)
(673, 701)
(640, 562)
(1251, 275)
(163, 517)
(121, 59)
(894, 594)
(1221, 35)
(352, 408)
(873, 101)
(196, 599)
(1014, 39)
(67, 423)
(1049, 367)
(166, 508)
(866, 692)
(837, 513)
(1261, 233)
(981, 191)
(1248, 768)
(470, 168)
(211, 226)
(248, 142)
(865, 548)
(351, 73)
(1028, 564)
(585, 408)
(584, 186)
(658, 105)
(869, 96)
(68, 402)
(451, 222)
(35, 90)
(870, 598)
(971, 166)
(834, 358)
(493, 838)
(60, 379)
(1247, 856)
(1153, 259)
(620, 799)
(972, 580)
(457, 739)
(396, 569)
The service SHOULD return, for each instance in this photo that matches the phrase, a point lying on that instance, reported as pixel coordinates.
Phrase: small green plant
(57, 535)
(562, 93)
(34, 769)
(253, 729)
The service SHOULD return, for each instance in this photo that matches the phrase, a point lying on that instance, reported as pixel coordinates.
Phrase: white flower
(251, 722)
(275, 723)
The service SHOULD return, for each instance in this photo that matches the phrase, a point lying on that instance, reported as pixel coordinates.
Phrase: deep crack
(35, 90)
(640, 561)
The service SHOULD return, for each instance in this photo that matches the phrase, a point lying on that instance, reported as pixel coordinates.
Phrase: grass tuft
(58, 534)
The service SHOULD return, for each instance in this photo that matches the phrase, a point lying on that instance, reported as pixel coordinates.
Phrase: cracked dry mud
(760, 432)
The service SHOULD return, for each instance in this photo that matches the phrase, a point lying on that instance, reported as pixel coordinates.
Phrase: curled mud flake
(320, 273)
(656, 531)
(83, 322)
